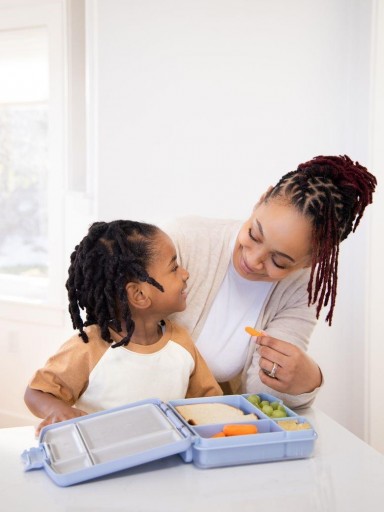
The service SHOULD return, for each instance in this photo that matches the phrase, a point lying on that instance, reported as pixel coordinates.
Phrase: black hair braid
(109, 256)
(72, 285)
(333, 192)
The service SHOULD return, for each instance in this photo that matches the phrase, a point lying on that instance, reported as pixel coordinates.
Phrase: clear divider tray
(105, 442)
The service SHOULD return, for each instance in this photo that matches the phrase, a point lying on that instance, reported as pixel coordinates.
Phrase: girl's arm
(55, 388)
(52, 409)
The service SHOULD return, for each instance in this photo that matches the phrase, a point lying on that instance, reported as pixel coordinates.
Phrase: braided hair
(332, 191)
(109, 256)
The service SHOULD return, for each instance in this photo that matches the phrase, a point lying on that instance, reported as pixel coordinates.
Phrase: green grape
(282, 408)
(267, 409)
(274, 405)
(264, 402)
(254, 399)
(278, 413)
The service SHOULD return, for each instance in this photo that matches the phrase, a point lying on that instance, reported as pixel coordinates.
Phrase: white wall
(211, 101)
(374, 303)
(198, 106)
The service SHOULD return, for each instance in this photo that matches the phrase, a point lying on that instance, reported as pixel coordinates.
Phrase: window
(31, 153)
(24, 93)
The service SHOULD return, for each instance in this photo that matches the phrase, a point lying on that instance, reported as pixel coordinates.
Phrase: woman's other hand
(285, 367)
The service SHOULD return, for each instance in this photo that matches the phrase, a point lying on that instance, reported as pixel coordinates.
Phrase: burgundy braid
(333, 192)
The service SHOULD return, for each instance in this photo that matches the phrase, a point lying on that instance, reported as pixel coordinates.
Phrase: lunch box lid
(101, 443)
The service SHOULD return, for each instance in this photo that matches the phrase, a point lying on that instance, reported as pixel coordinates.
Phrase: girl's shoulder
(179, 334)
(95, 341)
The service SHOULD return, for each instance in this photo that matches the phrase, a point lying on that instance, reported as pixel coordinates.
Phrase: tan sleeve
(201, 382)
(66, 373)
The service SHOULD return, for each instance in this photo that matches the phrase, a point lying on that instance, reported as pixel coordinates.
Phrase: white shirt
(223, 341)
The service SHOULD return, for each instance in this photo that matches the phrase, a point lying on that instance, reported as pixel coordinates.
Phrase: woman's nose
(257, 258)
(259, 265)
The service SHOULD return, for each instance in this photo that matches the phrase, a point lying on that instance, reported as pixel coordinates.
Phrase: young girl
(275, 271)
(125, 276)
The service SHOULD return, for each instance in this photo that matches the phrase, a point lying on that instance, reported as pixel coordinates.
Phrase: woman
(275, 272)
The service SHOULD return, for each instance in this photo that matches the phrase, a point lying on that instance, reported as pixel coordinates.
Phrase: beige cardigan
(203, 247)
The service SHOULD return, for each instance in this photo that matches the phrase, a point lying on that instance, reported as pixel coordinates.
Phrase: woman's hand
(294, 371)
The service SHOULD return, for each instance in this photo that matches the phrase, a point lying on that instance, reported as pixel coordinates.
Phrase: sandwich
(212, 412)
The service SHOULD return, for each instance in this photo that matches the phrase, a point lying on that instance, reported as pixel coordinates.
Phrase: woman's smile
(246, 268)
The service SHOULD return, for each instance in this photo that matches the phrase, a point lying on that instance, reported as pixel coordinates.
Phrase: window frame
(50, 15)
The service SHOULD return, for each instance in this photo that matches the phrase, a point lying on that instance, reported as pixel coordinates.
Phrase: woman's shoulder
(190, 227)
(196, 221)
(296, 279)
(292, 289)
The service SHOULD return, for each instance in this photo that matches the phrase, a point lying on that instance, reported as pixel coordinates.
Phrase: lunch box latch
(35, 457)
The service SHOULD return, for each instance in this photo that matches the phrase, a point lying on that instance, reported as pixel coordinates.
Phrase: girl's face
(173, 278)
(274, 242)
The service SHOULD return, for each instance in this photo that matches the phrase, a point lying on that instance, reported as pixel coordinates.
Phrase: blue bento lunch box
(102, 443)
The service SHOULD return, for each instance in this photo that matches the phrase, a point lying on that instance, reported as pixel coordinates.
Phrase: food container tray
(102, 443)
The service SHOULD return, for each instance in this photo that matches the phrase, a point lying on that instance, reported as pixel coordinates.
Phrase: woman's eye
(282, 267)
(252, 237)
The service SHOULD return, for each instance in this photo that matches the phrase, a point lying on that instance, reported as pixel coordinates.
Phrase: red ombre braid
(333, 192)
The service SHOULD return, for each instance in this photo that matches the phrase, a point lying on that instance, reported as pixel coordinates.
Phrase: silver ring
(272, 373)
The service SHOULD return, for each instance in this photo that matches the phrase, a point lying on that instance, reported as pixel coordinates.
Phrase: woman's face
(274, 242)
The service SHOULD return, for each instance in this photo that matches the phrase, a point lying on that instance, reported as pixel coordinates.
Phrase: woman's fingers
(278, 360)
(273, 383)
(285, 367)
(270, 368)
(283, 347)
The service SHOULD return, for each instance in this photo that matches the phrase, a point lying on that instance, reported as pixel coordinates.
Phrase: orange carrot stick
(218, 434)
(239, 429)
(253, 332)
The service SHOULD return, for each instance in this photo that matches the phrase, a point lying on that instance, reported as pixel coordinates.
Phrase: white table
(344, 475)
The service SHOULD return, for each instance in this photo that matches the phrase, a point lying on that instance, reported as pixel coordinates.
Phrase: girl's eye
(175, 268)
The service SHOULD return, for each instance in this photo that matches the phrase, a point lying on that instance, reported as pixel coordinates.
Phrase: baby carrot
(253, 332)
(218, 434)
(239, 429)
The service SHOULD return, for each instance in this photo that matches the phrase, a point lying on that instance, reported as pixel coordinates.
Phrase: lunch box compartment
(271, 398)
(237, 401)
(265, 428)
